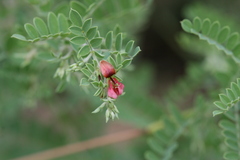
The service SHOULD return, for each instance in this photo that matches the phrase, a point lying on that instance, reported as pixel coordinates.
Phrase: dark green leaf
(197, 24)
(78, 40)
(236, 51)
(186, 25)
(109, 38)
(53, 23)
(91, 33)
(223, 35)
(232, 144)
(206, 26)
(118, 43)
(228, 125)
(232, 41)
(230, 135)
(151, 156)
(96, 42)
(62, 23)
(75, 18)
(214, 30)
(40, 26)
(84, 51)
(76, 30)
(31, 31)
(231, 156)
(87, 24)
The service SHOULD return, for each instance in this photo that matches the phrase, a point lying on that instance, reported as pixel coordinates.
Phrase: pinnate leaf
(31, 31)
(40, 26)
(75, 18)
(53, 23)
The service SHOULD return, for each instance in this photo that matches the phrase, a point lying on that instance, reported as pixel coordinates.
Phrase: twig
(85, 145)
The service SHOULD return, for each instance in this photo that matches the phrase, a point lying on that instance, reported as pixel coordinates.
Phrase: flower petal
(106, 69)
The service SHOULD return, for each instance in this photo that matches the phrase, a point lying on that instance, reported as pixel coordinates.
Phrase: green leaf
(62, 23)
(84, 82)
(136, 51)
(126, 62)
(19, 37)
(79, 7)
(230, 135)
(109, 38)
(220, 105)
(129, 46)
(78, 40)
(215, 27)
(75, 18)
(96, 42)
(228, 125)
(231, 156)
(224, 99)
(86, 72)
(84, 51)
(90, 67)
(236, 51)
(223, 35)
(232, 144)
(235, 90)
(232, 41)
(99, 54)
(91, 33)
(217, 112)
(119, 58)
(87, 24)
(112, 61)
(40, 26)
(118, 43)
(230, 94)
(186, 25)
(206, 26)
(197, 24)
(53, 23)
(151, 156)
(31, 31)
(76, 30)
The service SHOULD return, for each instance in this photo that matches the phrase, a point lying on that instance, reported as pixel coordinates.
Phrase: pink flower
(106, 69)
(115, 88)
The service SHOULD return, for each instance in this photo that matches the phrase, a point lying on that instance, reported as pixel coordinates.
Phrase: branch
(85, 145)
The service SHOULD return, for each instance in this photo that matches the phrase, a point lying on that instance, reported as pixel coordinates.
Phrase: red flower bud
(106, 69)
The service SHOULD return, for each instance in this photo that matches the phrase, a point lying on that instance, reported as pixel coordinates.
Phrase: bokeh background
(34, 117)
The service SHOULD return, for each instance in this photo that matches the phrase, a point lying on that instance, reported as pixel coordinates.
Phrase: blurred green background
(35, 118)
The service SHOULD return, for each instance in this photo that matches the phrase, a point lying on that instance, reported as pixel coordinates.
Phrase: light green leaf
(126, 62)
(91, 33)
(78, 40)
(53, 23)
(232, 144)
(224, 99)
(76, 30)
(230, 94)
(90, 67)
(31, 31)
(62, 23)
(228, 125)
(136, 51)
(119, 58)
(109, 38)
(75, 18)
(79, 7)
(232, 41)
(99, 54)
(19, 37)
(235, 89)
(151, 156)
(206, 26)
(129, 46)
(40, 26)
(217, 112)
(96, 42)
(112, 61)
(84, 82)
(87, 24)
(220, 105)
(230, 135)
(231, 156)
(197, 24)
(118, 43)
(86, 72)
(84, 51)
(186, 25)
(223, 35)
